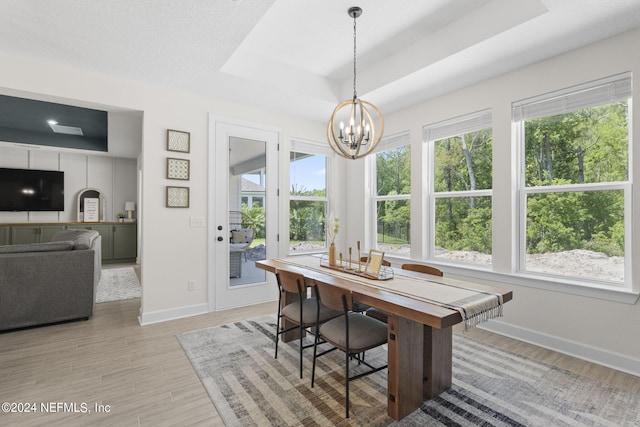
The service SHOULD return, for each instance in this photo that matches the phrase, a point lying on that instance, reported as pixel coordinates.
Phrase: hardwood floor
(143, 374)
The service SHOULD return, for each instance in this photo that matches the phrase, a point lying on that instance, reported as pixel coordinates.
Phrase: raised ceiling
(28, 121)
(295, 56)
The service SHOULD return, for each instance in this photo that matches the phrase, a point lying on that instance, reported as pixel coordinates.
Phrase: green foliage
(464, 163)
(393, 177)
(459, 226)
(257, 218)
(306, 220)
(576, 220)
(585, 146)
(393, 171)
(302, 191)
(394, 221)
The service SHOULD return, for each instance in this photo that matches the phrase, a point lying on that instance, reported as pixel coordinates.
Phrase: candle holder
(385, 272)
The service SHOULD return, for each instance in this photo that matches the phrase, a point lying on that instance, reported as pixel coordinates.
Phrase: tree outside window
(462, 188)
(307, 202)
(576, 182)
(575, 174)
(392, 199)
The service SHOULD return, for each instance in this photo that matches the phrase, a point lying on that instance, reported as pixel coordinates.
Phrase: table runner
(473, 305)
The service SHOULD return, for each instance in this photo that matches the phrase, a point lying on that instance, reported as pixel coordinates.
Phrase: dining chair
(303, 312)
(350, 332)
(420, 268)
(358, 307)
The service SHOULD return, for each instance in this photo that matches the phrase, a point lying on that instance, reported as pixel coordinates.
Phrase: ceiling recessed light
(52, 122)
(68, 130)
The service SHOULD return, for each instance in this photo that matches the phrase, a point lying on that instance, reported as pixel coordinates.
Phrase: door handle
(220, 238)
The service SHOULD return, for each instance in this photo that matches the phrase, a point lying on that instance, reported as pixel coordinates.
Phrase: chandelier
(364, 123)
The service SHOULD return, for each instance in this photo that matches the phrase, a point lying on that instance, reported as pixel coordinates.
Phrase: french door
(243, 212)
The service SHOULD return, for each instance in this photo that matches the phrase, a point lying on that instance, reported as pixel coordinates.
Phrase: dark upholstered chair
(350, 332)
(420, 268)
(303, 312)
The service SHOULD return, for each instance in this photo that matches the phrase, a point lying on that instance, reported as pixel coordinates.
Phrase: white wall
(588, 326)
(171, 252)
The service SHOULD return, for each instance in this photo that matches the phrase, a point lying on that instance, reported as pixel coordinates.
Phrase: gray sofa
(43, 283)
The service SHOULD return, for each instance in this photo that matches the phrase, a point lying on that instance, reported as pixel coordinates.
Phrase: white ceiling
(296, 56)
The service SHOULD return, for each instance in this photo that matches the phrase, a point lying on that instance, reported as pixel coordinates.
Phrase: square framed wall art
(177, 197)
(178, 169)
(178, 141)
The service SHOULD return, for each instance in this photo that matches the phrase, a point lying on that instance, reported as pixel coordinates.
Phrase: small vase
(332, 254)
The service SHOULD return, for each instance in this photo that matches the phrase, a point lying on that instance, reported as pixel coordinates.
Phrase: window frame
(314, 149)
(460, 125)
(587, 95)
(388, 143)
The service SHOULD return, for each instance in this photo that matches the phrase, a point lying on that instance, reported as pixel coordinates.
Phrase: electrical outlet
(191, 285)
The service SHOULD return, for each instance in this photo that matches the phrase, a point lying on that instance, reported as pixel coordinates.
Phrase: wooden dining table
(420, 329)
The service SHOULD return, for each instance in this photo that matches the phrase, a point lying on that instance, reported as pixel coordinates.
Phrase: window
(574, 181)
(392, 196)
(461, 188)
(307, 197)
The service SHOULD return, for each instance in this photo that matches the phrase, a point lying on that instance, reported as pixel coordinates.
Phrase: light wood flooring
(143, 374)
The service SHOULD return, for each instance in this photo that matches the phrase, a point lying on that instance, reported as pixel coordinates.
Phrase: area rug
(118, 284)
(491, 387)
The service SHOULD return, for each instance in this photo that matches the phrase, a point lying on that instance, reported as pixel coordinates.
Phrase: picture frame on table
(374, 263)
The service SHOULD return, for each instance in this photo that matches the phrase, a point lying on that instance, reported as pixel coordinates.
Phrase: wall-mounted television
(31, 190)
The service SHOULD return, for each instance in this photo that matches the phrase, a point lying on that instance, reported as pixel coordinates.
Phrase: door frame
(220, 295)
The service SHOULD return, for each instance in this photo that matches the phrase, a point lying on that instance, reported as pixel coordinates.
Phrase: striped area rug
(491, 387)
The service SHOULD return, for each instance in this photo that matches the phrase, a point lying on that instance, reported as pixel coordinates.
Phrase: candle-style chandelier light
(356, 126)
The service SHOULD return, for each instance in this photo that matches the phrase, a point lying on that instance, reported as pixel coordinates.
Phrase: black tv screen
(31, 190)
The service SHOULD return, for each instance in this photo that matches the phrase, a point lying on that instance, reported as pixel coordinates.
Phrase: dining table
(421, 311)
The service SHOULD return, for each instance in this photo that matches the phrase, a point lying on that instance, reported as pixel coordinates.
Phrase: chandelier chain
(355, 93)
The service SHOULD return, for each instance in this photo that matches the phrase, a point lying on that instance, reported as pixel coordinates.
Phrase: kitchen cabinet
(119, 240)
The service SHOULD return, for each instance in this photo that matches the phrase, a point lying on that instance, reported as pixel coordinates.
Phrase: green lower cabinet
(24, 234)
(5, 236)
(119, 241)
(48, 231)
(106, 232)
(125, 242)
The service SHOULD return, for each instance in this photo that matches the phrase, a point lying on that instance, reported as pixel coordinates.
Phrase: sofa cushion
(63, 245)
(83, 239)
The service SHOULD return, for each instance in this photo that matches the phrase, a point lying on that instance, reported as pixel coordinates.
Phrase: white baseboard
(602, 357)
(172, 314)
